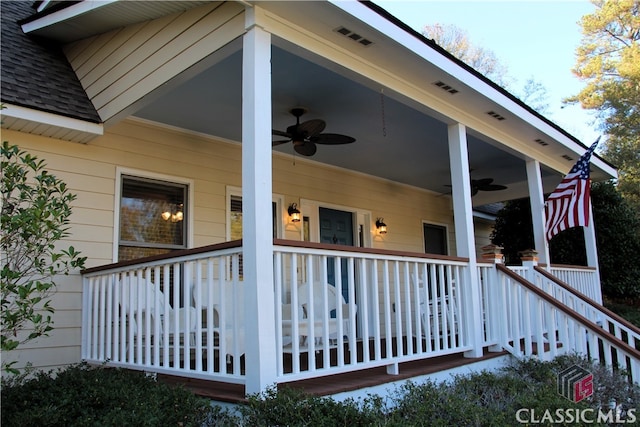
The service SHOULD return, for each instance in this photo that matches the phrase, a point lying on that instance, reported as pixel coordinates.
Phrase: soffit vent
(541, 142)
(353, 36)
(446, 87)
(567, 158)
(495, 115)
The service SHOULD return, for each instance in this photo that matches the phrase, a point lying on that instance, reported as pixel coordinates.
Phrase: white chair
(139, 297)
(334, 303)
(229, 329)
(433, 308)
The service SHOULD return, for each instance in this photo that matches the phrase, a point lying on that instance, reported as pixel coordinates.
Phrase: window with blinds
(153, 217)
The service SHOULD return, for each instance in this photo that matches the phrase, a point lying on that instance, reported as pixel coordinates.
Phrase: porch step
(333, 384)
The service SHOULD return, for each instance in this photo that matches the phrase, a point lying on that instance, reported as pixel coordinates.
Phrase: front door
(336, 227)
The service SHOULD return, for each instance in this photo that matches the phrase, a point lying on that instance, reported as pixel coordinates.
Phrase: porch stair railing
(537, 324)
(589, 308)
(582, 303)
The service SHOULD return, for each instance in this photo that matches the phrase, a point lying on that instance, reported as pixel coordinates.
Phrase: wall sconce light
(294, 213)
(381, 226)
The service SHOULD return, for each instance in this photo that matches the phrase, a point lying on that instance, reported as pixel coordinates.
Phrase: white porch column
(465, 236)
(260, 357)
(536, 196)
(592, 251)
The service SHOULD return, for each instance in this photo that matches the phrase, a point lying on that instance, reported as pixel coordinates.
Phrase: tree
(456, 41)
(34, 216)
(617, 236)
(513, 229)
(608, 60)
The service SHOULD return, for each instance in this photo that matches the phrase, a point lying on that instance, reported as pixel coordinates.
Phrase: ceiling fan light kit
(304, 136)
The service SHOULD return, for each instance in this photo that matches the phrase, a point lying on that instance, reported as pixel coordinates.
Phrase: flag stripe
(568, 205)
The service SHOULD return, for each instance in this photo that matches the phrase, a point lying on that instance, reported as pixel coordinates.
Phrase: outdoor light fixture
(294, 213)
(174, 217)
(381, 226)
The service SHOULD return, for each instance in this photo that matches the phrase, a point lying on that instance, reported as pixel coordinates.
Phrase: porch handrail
(400, 306)
(174, 256)
(559, 331)
(362, 250)
(582, 278)
(613, 321)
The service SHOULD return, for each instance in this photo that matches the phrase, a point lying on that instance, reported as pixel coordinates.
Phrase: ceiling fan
(485, 184)
(307, 134)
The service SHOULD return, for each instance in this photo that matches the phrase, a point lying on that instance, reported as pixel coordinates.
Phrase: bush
(291, 407)
(34, 213)
(86, 396)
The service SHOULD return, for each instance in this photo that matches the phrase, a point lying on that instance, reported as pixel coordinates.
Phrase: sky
(534, 38)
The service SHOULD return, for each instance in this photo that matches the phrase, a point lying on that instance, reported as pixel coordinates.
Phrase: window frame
(278, 199)
(441, 226)
(122, 173)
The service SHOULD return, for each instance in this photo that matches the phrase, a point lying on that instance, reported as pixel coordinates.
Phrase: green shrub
(291, 407)
(86, 396)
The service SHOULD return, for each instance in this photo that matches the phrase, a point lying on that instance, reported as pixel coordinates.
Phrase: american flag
(568, 205)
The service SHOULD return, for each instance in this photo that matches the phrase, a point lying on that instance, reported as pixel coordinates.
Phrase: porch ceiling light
(294, 213)
(381, 226)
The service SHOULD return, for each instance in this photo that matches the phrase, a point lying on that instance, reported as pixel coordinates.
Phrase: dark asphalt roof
(35, 73)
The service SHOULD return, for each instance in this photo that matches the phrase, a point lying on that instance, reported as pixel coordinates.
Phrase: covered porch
(335, 310)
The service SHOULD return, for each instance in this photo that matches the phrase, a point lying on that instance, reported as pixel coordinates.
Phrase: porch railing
(536, 324)
(179, 314)
(357, 308)
(336, 310)
(587, 307)
(583, 279)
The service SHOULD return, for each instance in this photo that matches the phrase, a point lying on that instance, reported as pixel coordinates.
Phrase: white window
(152, 216)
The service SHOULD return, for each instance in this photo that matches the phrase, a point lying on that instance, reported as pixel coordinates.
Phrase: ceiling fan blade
(332, 139)
(481, 182)
(305, 149)
(282, 141)
(310, 128)
(474, 190)
(280, 133)
(493, 187)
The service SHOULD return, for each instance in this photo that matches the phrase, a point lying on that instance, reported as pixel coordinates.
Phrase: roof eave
(15, 117)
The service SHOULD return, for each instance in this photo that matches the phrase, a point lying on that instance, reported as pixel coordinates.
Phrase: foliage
(610, 387)
(628, 309)
(35, 213)
(290, 407)
(456, 41)
(617, 236)
(618, 239)
(608, 60)
(513, 229)
(84, 396)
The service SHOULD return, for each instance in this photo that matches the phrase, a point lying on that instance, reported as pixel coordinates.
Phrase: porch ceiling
(394, 140)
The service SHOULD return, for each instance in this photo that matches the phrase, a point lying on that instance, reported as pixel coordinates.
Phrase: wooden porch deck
(332, 384)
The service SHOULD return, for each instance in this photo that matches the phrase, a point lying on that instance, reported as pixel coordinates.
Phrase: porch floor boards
(331, 384)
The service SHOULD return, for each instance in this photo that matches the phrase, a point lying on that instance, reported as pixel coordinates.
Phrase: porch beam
(465, 236)
(260, 356)
(536, 196)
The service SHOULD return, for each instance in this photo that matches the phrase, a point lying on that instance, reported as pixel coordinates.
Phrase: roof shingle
(35, 72)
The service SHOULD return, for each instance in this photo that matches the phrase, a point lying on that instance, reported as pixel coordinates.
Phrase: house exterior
(162, 117)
